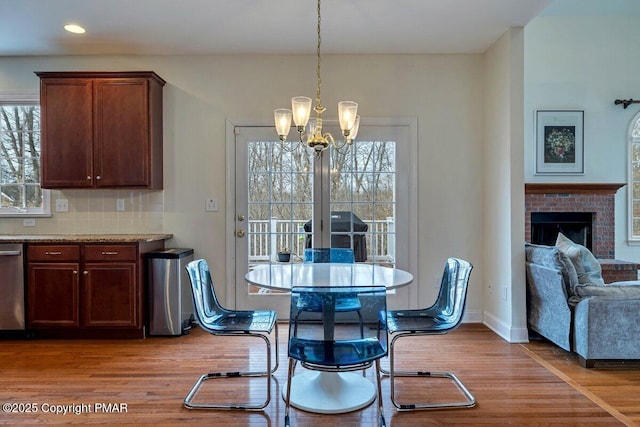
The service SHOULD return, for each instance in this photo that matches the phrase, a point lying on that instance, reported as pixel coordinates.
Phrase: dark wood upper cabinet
(101, 129)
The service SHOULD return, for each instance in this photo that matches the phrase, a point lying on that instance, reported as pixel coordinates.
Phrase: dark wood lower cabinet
(53, 295)
(87, 290)
(109, 295)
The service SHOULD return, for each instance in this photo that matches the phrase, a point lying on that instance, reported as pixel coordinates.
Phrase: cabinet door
(67, 132)
(122, 150)
(53, 295)
(109, 295)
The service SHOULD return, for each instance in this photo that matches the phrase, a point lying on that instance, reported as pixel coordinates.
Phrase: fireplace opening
(577, 226)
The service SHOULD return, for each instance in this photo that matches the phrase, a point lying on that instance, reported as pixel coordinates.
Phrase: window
(20, 192)
(634, 179)
(363, 182)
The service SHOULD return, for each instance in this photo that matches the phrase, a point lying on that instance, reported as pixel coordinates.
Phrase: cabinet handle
(88, 178)
(85, 272)
(75, 271)
(109, 253)
(98, 177)
(53, 253)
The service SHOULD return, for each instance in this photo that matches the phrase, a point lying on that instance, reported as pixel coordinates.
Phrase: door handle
(240, 233)
(10, 253)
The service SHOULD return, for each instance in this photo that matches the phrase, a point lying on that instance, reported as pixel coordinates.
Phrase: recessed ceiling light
(73, 28)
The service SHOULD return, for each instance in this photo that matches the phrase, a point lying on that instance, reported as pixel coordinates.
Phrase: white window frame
(45, 209)
(635, 240)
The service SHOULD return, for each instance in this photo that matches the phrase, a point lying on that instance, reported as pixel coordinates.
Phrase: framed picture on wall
(559, 142)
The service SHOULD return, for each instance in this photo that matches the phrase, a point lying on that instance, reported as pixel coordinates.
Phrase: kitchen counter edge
(68, 238)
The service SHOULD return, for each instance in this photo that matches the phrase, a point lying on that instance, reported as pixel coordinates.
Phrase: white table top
(288, 275)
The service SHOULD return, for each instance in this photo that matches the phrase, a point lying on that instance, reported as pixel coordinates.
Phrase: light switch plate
(211, 205)
(29, 222)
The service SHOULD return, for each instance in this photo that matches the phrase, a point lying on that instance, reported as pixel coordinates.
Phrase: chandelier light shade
(282, 117)
(310, 130)
(347, 112)
(301, 108)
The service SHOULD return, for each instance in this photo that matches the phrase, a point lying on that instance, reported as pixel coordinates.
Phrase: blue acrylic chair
(339, 255)
(444, 316)
(335, 344)
(325, 255)
(216, 320)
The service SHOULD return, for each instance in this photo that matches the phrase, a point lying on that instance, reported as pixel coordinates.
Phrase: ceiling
(203, 27)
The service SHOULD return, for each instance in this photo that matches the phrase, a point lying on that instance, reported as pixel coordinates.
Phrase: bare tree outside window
(279, 178)
(20, 189)
(363, 180)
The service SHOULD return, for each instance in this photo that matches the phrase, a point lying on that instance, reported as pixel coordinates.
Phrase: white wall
(504, 293)
(585, 62)
(444, 92)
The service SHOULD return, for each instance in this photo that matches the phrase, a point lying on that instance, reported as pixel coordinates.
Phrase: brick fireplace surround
(598, 199)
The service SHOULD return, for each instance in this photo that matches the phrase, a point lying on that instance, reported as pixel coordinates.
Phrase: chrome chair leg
(188, 401)
(469, 401)
(292, 368)
(381, 420)
(277, 349)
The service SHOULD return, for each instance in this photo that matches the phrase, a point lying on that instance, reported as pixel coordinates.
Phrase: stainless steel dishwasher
(12, 297)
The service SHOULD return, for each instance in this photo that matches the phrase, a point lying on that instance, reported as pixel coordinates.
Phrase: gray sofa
(595, 320)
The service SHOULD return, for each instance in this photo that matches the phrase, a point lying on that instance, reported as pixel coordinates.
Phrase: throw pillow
(569, 272)
(586, 265)
(572, 251)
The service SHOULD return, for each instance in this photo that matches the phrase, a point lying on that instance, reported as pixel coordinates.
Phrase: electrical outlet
(119, 204)
(29, 222)
(62, 205)
(211, 205)
(505, 294)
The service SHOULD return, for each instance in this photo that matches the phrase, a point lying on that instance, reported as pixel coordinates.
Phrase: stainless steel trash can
(170, 298)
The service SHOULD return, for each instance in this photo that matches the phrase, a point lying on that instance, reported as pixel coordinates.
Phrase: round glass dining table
(318, 391)
(287, 275)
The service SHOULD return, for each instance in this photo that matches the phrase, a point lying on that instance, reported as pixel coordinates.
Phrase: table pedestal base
(330, 392)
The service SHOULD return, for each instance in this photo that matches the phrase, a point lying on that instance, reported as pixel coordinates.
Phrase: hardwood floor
(615, 386)
(147, 381)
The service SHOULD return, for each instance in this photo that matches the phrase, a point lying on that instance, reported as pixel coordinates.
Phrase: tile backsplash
(94, 212)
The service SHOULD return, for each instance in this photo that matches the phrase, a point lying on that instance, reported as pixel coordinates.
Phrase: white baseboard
(505, 331)
(472, 316)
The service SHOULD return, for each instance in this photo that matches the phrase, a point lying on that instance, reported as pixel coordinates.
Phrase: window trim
(7, 98)
(631, 239)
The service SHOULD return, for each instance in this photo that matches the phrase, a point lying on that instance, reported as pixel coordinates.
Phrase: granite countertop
(114, 238)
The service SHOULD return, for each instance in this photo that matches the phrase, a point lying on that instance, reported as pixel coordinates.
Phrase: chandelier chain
(318, 54)
(301, 109)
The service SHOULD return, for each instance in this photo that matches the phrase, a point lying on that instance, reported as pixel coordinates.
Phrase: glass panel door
(274, 198)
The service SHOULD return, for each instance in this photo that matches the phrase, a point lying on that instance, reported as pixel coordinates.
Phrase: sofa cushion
(621, 290)
(552, 257)
(586, 265)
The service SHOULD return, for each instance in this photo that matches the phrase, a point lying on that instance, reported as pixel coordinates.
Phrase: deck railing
(267, 237)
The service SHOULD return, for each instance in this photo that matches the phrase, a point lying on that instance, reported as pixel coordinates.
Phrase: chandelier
(301, 111)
